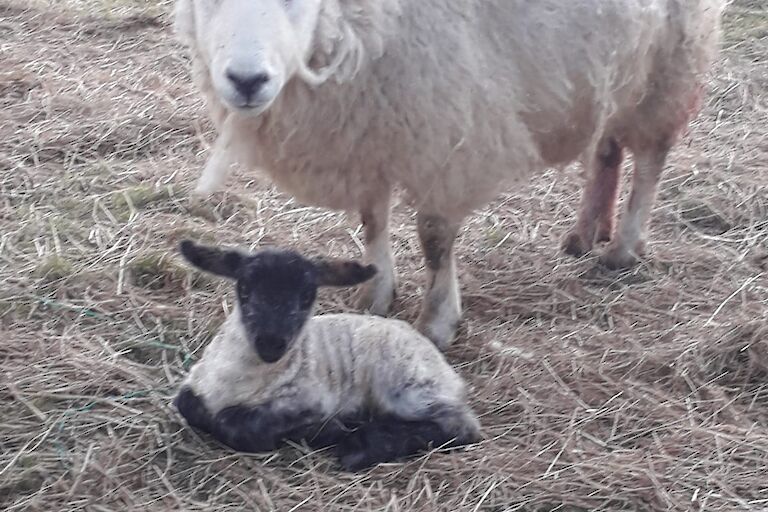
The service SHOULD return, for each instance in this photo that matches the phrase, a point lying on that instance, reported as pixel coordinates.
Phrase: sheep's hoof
(604, 232)
(574, 244)
(618, 257)
(204, 190)
(440, 332)
(375, 297)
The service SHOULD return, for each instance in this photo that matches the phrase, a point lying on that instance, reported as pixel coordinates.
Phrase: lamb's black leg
(191, 407)
(388, 438)
(262, 429)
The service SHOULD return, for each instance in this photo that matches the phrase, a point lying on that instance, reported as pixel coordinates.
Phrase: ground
(597, 390)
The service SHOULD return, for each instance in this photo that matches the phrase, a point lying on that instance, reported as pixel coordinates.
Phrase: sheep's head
(251, 48)
(276, 289)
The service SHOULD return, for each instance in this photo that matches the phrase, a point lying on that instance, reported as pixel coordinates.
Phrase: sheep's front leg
(377, 294)
(629, 243)
(598, 201)
(219, 163)
(441, 307)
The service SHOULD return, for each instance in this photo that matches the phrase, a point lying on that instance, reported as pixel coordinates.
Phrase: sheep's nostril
(247, 84)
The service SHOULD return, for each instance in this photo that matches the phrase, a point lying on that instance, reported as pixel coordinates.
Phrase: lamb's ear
(217, 261)
(336, 272)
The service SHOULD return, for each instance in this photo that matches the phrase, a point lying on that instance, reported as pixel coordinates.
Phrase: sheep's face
(276, 290)
(251, 47)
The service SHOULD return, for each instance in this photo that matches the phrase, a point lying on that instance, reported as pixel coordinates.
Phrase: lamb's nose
(247, 84)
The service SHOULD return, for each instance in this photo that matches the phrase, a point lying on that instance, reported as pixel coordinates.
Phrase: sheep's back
(468, 95)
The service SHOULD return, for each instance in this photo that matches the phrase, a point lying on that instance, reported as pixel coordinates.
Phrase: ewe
(342, 100)
(273, 372)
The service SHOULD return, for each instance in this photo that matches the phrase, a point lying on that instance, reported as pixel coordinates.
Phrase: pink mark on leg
(597, 211)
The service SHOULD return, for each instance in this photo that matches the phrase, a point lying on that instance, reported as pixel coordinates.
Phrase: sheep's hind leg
(629, 244)
(377, 294)
(598, 201)
(391, 437)
(441, 307)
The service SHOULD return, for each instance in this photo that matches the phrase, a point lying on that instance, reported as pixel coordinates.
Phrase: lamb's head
(276, 289)
(251, 48)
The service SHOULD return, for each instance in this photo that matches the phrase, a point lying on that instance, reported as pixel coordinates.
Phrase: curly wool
(450, 98)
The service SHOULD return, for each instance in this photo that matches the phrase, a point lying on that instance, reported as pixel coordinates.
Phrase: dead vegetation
(642, 390)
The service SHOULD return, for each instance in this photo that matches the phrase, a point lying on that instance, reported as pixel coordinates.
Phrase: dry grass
(643, 390)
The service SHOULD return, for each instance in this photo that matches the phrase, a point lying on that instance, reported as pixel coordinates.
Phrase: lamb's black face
(275, 289)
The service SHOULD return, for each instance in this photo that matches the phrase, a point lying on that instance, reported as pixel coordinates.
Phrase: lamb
(373, 386)
(340, 101)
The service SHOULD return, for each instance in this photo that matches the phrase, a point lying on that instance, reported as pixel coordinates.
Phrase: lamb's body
(453, 98)
(340, 365)
(342, 371)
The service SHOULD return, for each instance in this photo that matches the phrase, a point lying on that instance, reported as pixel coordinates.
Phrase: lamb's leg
(598, 201)
(441, 307)
(192, 408)
(377, 294)
(629, 244)
(262, 428)
(390, 437)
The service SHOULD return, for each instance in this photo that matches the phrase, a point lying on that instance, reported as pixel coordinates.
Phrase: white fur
(451, 99)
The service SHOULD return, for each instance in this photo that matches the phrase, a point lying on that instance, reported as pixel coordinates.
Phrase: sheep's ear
(335, 272)
(225, 263)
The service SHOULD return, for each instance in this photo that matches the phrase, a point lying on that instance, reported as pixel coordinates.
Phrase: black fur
(388, 438)
(361, 441)
(335, 272)
(276, 289)
(194, 411)
(262, 429)
(225, 263)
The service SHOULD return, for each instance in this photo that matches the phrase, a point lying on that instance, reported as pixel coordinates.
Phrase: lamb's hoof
(355, 461)
(576, 245)
(618, 257)
(375, 297)
(192, 409)
(352, 453)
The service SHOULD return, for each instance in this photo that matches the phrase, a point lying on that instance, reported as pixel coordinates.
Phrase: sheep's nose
(247, 84)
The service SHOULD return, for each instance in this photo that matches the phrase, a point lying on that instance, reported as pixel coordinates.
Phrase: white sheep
(373, 386)
(341, 100)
